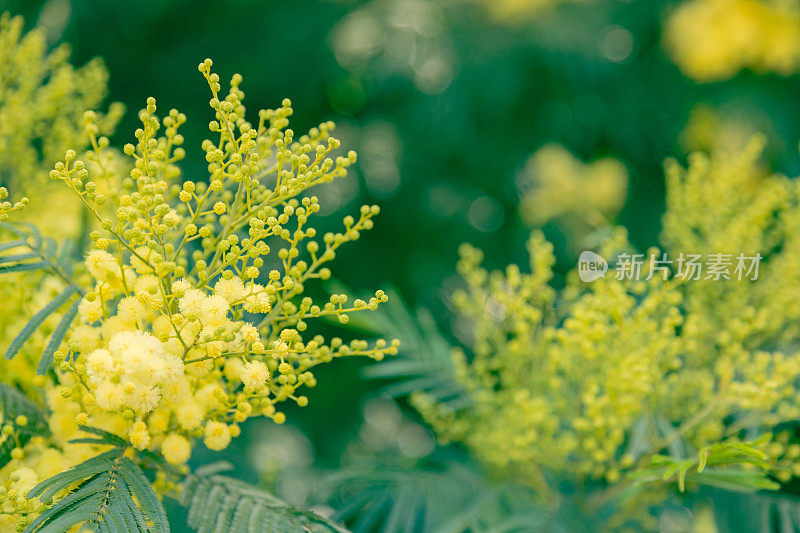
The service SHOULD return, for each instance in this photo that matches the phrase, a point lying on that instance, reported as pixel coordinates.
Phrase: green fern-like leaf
(424, 362)
(14, 404)
(36, 321)
(437, 495)
(108, 492)
(220, 504)
(718, 465)
(101, 437)
(46, 361)
(31, 251)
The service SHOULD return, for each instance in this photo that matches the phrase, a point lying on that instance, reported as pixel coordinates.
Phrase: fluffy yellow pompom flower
(180, 287)
(139, 436)
(231, 289)
(103, 266)
(176, 449)
(90, 310)
(217, 436)
(190, 415)
(192, 303)
(100, 366)
(254, 374)
(250, 334)
(109, 396)
(214, 310)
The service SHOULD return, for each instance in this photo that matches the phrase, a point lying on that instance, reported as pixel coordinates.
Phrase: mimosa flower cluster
(589, 382)
(42, 102)
(7, 207)
(190, 323)
(42, 99)
(713, 39)
(196, 319)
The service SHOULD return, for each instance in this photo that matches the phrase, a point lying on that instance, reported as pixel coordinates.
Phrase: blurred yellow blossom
(713, 39)
(42, 100)
(591, 381)
(554, 183)
(721, 131)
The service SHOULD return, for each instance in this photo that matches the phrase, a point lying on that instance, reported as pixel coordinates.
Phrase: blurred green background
(445, 105)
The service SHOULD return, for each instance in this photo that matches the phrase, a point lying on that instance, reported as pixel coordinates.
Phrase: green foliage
(108, 492)
(441, 495)
(729, 465)
(220, 504)
(28, 252)
(14, 405)
(764, 511)
(36, 321)
(424, 364)
(57, 337)
(33, 251)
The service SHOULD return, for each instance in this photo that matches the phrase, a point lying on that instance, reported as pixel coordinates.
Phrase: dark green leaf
(57, 338)
(221, 504)
(37, 320)
(108, 492)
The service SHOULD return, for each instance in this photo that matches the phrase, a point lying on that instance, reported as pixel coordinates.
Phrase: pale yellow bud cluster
(7, 207)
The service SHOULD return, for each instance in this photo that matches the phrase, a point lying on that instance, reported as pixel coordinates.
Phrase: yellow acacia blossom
(194, 316)
(713, 39)
(590, 381)
(185, 332)
(42, 100)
